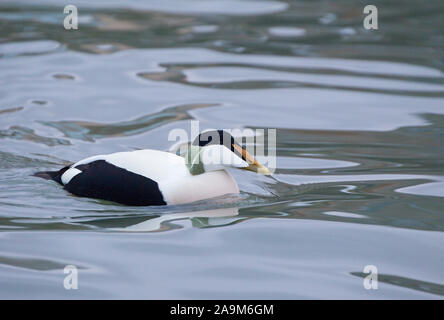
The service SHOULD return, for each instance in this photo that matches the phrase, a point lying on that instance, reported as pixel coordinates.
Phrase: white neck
(212, 158)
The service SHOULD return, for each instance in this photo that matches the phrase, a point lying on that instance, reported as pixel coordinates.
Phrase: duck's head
(218, 150)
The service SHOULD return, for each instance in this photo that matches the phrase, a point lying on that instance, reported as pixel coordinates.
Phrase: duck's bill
(253, 164)
(257, 167)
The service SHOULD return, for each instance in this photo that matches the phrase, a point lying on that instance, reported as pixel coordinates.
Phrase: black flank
(102, 180)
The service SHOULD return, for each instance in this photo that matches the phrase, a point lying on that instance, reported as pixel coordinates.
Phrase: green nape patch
(193, 160)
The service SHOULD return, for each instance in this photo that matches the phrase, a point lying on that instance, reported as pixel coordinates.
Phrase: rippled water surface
(360, 147)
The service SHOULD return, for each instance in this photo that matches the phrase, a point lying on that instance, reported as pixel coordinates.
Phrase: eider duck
(153, 178)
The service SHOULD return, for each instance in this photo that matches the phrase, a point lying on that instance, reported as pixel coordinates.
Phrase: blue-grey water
(360, 147)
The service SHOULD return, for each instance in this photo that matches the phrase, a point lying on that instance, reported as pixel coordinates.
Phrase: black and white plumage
(152, 177)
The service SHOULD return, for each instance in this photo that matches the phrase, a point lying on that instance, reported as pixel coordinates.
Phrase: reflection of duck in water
(152, 177)
(200, 219)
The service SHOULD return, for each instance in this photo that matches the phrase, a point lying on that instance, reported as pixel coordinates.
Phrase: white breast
(170, 172)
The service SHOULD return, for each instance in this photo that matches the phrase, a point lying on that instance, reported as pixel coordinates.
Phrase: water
(360, 126)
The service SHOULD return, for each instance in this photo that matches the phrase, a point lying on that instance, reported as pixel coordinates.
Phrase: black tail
(52, 175)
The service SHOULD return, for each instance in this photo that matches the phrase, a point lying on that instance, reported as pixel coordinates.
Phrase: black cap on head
(215, 137)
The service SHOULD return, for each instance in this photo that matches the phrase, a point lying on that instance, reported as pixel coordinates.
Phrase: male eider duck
(154, 178)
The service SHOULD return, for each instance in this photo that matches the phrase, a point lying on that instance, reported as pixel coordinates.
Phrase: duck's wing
(102, 180)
